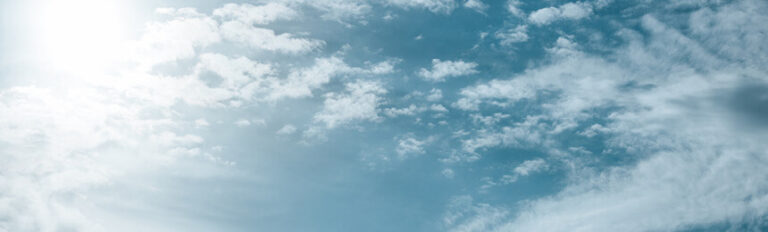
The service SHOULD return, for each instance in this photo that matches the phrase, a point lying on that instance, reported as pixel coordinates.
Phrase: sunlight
(80, 35)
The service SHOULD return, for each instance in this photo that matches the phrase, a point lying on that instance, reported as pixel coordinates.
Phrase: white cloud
(175, 39)
(524, 134)
(286, 130)
(697, 162)
(438, 108)
(572, 11)
(408, 111)
(513, 6)
(476, 5)
(443, 69)
(436, 6)
(201, 123)
(261, 14)
(235, 72)
(242, 122)
(266, 39)
(435, 95)
(530, 166)
(66, 141)
(464, 215)
(514, 35)
(490, 120)
(448, 173)
(342, 10)
(359, 103)
(300, 83)
(408, 147)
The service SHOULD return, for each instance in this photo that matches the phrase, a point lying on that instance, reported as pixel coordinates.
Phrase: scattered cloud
(443, 69)
(261, 14)
(266, 39)
(571, 11)
(242, 123)
(512, 36)
(408, 147)
(286, 130)
(435, 95)
(201, 123)
(359, 103)
(436, 6)
(476, 5)
(408, 111)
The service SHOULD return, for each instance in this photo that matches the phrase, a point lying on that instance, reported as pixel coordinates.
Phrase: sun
(79, 35)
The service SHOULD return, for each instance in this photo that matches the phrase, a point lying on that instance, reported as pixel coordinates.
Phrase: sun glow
(79, 35)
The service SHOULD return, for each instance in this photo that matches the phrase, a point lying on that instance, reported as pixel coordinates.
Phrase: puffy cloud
(573, 11)
(175, 39)
(443, 69)
(435, 95)
(266, 39)
(359, 103)
(341, 10)
(513, 35)
(476, 5)
(286, 130)
(513, 6)
(408, 146)
(530, 166)
(438, 108)
(201, 123)
(300, 83)
(235, 73)
(250, 14)
(448, 173)
(436, 6)
(409, 111)
(242, 123)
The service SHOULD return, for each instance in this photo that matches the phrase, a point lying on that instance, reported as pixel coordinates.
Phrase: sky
(383, 115)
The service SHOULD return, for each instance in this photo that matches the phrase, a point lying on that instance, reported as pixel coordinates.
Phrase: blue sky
(383, 115)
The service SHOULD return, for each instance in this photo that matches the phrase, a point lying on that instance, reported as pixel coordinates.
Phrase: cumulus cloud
(438, 108)
(175, 39)
(448, 173)
(409, 146)
(513, 35)
(261, 14)
(476, 5)
(235, 73)
(201, 123)
(359, 103)
(435, 95)
(443, 69)
(300, 83)
(436, 6)
(571, 11)
(242, 123)
(286, 130)
(266, 39)
(408, 111)
(513, 7)
(341, 10)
